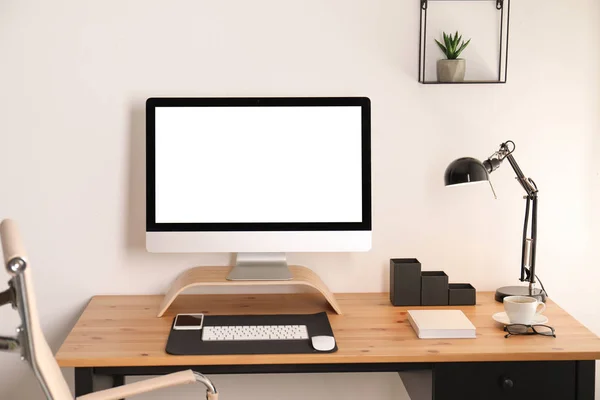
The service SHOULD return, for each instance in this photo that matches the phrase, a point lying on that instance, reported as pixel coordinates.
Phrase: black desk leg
(586, 380)
(118, 380)
(84, 381)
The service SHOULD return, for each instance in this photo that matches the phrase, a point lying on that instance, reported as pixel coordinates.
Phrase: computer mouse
(323, 343)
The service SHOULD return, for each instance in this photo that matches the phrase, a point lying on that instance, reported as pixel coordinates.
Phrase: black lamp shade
(465, 170)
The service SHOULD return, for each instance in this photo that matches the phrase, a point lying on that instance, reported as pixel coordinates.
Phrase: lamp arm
(534, 213)
(525, 182)
(532, 195)
(506, 153)
(491, 164)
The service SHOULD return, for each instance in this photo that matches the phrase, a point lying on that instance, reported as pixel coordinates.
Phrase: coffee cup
(522, 309)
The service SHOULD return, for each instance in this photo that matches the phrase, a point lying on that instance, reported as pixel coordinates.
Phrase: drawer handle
(507, 383)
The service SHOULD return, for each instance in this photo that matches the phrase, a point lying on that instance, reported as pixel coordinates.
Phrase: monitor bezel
(152, 103)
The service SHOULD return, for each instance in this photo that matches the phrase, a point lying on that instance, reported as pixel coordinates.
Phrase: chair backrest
(33, 344)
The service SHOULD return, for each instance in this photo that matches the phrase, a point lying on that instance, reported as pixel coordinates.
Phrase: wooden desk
(121, 335)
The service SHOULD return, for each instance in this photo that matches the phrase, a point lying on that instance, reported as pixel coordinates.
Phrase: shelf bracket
(423, 4)
(499, 4)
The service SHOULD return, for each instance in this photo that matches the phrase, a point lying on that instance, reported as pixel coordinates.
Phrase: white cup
(522, 309)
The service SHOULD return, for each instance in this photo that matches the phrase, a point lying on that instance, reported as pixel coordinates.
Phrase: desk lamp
(470, 170)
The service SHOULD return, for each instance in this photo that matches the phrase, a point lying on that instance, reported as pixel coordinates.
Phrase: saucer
(503, 319)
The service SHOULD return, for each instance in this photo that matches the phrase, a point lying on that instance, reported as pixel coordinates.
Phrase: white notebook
(441, 324)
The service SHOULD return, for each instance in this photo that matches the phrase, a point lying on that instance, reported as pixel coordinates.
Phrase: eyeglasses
(521, 329)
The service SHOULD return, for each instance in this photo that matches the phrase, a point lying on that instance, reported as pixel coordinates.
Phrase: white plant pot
(451, 70)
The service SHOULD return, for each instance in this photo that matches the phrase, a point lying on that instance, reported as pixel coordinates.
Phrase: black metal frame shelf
(503, 7)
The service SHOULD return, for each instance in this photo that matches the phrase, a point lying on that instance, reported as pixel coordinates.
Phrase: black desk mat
(187, 343)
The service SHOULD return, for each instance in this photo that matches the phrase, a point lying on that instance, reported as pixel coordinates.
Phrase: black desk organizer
(409, 286)
(187, 343)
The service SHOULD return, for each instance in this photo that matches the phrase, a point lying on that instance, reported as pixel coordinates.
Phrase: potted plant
(452, 69)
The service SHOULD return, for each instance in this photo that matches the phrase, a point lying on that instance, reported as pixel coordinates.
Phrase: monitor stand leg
(260, 267)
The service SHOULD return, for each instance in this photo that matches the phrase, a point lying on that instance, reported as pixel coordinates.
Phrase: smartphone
(188, 322)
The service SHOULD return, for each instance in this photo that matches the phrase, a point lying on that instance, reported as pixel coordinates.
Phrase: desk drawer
(505, 380)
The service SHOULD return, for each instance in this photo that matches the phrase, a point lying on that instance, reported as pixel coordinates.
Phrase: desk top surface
(124, 331)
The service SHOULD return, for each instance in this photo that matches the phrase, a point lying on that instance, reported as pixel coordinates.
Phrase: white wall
(74, 76)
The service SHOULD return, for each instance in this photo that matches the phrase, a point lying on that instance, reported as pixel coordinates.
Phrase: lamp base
(505, 291)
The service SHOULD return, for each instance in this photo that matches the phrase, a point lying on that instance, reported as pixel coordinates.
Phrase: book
(441, 324)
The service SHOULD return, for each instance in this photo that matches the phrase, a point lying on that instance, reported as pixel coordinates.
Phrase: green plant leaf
(444, 50)
(447, 42)
(455, 42)
(453, 45)
(460, 50)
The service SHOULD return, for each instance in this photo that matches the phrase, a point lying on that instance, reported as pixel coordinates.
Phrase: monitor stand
(260, 267)
(213, 277)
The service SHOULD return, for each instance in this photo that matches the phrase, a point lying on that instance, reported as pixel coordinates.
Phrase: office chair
(30, 340)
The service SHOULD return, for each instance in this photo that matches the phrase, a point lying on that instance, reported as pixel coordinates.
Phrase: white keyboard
(254, 332)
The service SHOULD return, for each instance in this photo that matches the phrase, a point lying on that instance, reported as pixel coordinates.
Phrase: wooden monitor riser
(216, 276)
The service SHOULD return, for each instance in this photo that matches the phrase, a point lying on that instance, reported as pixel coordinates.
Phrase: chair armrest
(148, 385)
(12, 246)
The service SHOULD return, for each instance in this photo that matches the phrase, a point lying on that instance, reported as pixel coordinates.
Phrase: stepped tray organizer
(410, 286)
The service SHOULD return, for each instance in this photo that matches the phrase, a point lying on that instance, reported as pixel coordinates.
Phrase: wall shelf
(503, 7)
(464, 83)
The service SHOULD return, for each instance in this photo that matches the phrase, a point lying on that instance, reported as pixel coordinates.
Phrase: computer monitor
(259, 177)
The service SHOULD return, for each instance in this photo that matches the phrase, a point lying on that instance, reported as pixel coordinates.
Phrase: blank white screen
(258, 164)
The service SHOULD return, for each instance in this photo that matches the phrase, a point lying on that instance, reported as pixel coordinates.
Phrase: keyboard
(254, 332)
